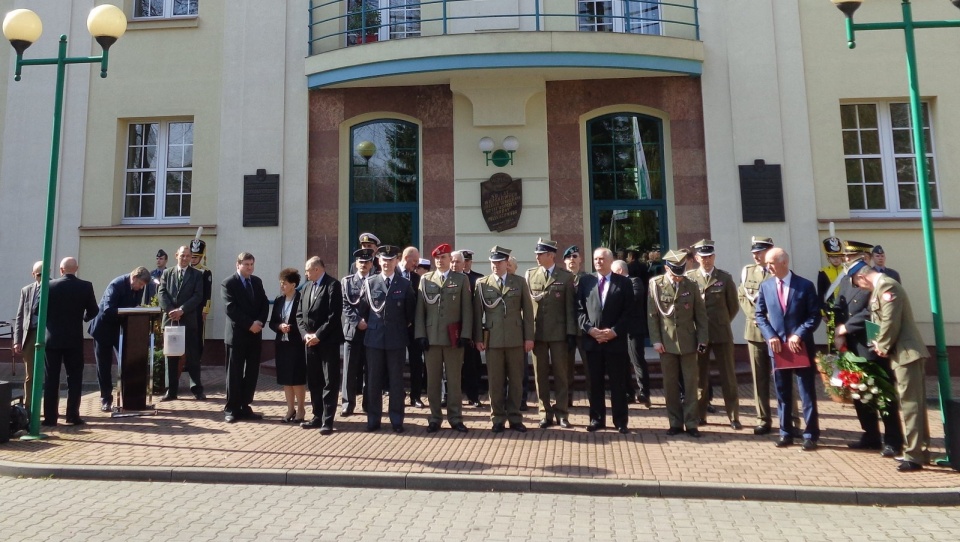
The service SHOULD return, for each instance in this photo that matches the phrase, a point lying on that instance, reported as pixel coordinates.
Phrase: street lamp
(22, 27)
(848, 7)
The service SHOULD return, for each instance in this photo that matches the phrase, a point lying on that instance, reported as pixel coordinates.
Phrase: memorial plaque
(761, 193)
(501, 200)
(261, 199)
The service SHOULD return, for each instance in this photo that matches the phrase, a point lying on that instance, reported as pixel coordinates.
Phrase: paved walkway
(187, 440)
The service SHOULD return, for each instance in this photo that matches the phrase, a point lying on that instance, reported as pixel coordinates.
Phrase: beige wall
(876, 70)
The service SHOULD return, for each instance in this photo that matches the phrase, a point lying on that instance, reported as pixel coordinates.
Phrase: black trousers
(323, 380)
(613, 365)
(384, 367)
(354, 363)
(868, 418)
(243, 370)
(470, 376)
(641, 374)
(104, 351)
(418, 374)
(72, 360)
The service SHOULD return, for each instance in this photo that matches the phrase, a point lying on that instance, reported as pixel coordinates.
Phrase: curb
(497, 484)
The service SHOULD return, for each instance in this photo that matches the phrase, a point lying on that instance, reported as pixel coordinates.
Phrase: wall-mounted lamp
(499, 157)
(366, 150)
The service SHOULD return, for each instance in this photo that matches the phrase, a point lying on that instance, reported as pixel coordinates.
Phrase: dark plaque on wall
(501, 200)
(761, 192)
(261, 199)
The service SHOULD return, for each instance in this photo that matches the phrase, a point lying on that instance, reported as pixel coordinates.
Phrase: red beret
(443, 248)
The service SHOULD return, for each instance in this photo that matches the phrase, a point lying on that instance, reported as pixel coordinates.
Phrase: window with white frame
(164, 9)
(622, 16)
(881, 169)
(159, 172)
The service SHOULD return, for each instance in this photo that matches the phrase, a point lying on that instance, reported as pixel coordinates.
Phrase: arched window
(385, 182)
(626, 177)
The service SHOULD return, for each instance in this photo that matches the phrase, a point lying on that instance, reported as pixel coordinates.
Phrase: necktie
(36, 298)
(500, 282)
(388, 284)
(179, 278)
(600, 288)
(546, 273)
(249, 286)
(782, 294)
(314, 291)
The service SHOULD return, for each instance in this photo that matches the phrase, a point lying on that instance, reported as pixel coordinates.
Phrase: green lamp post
(908, 25)
(22, 27)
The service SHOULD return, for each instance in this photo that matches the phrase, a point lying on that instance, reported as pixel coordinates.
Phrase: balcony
(401, 42)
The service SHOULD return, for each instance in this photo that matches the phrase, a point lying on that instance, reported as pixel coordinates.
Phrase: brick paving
(189, 433)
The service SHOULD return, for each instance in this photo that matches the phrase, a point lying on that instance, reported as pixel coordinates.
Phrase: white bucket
(174, 340)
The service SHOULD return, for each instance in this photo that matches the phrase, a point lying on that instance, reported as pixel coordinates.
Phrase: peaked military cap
(369, 238)
(759, 244)
(388, 252)
(363, 254)
(161, 254)
(856, 247)
(675, 261)
(424, 263)
(878, 250)
(832, 246)
(499, 254)
(545, 245)
(704, 247)
(467, 254)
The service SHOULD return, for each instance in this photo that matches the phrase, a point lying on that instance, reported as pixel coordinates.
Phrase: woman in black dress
(290, 353)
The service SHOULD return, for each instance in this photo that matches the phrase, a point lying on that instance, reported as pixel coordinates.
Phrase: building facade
(619, 122)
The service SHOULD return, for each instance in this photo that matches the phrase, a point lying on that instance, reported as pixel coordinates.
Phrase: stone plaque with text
(501, 200)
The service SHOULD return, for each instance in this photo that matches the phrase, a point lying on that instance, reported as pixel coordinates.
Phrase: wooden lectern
(136, 357)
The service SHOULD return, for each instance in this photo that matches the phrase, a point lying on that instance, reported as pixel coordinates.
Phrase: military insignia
(557, 295)
(451, 285)
(684, 294)
(686, 305)
(888, 296)
(719, 284)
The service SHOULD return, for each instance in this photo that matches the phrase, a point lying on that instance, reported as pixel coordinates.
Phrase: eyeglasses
(573, 256)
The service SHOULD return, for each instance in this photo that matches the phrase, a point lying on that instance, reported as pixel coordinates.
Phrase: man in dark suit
(25, 329)
(418, 376)
(788, 312)
(72, 302)
(461, 261)
(319, 318)
(354, 328)
(247, 308)
(123, 292)
(388, 308)
(181, 296)
(604, 308)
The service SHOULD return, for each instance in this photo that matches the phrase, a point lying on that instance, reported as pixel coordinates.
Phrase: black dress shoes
(74, 420)
(433, 427)
(909, 466)
(200, 396)
(106, 406)
(711, 409)
(518, 427)
(545, 423)
(866, 444)
(761, 429)
(443, 403)
(694, 432)
(416, 402)
(644, 400)
(565, 423)
(460, 428)
(674, 431)
(476, 403)
(595, 426)
(49, 423)
(398, 429)
(809, 445)
(783, 442)
(326, 430)
(251, 415)
(623, 430)
(168, 397)
(702, 421)
(314, 423)
(498, 428)
(346, 412)
(371, 427)
(229, 418)
(736, 425)
(889, 451)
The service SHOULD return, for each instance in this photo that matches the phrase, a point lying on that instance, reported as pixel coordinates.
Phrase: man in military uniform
(829, 273)
(503, 327)
(371, 242)
(388, 307)
(198, 261)
(574, 262)
(555, 331)
(880, 263)
(678, 327)
(750, 278)
(418, 372)
(899, 340)
(720, 299)
(443, 327)
(853, 311)
(354, 329)
(461, 261)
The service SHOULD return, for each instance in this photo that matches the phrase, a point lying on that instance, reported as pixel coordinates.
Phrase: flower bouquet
(857, 379)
